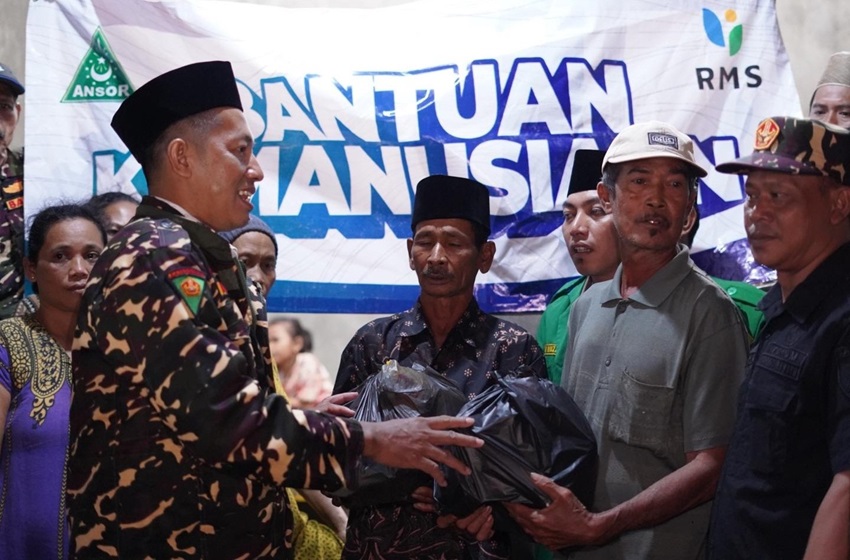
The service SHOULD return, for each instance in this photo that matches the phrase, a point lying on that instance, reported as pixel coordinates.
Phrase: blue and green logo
(714, 30)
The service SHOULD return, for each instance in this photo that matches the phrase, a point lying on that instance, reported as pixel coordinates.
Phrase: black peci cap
(171, 97)
(441, 197)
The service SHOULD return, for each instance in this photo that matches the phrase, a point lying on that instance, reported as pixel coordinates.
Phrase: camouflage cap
(797, 147)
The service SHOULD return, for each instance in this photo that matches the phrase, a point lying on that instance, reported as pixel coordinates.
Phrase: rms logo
(724, 77)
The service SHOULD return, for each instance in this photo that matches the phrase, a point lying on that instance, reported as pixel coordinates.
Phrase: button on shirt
(793, 428)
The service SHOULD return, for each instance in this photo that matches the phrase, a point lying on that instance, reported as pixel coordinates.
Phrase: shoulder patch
(190, 284)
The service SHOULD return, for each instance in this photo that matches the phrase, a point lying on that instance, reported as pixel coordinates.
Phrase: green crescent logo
(99, 76)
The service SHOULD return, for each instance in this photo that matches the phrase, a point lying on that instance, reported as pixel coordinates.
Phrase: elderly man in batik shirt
(447, 331)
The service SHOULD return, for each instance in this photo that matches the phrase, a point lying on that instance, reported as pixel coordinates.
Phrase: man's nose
(438, 253)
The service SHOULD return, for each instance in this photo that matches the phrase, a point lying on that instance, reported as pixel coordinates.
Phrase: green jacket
(553, 332)
(746, 298)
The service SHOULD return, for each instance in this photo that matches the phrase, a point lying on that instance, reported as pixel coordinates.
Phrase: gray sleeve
(715, 369)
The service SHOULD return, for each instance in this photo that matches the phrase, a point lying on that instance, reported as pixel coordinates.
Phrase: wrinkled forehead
(765, 178)
(830, 94)
(448, 226)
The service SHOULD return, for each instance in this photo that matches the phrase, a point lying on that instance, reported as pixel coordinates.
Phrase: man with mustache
(831, 99)
(447, 331)
(11, 196)
(785, 488)
(656, 356)
(592, 246)
(180, 446)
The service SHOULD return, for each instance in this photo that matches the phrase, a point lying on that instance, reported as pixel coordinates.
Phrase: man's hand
(414, 443)
(564, 522)
(479, 523)
(334, 405)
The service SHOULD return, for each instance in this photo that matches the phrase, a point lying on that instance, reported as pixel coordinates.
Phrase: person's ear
(410, 254)
(177, 154)
(486, 255)
(689, 222)
(604, 195)
(29, 269)
(840, 205)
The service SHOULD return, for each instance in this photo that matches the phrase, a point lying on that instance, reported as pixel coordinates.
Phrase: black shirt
(793, 428)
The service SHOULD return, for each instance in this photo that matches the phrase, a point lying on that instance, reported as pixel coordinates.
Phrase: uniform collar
(413, 324)
(816, 287)
(659, 287)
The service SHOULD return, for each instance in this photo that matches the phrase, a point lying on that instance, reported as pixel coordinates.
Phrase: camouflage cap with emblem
(797, 147)
(652, 139)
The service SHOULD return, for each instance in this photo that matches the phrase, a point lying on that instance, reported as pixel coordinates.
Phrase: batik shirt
(179, 446)
(478, 347)
(36, 371)
(11, 233)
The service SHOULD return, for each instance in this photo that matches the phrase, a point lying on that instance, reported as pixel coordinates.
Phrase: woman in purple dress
(35, 388)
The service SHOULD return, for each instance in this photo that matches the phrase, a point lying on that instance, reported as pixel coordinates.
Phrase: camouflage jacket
(179, 447)
(11, 233)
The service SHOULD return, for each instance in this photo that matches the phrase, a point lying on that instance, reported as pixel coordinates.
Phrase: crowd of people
(151, 409)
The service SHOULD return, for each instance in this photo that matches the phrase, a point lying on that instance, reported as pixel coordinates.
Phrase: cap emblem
(766, 134)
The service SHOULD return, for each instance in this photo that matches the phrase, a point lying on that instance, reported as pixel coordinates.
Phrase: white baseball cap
(649, 140)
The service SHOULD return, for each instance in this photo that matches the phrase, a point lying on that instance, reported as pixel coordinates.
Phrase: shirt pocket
(641, 416)
(770, 405)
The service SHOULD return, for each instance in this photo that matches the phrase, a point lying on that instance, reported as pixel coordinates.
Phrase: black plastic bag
(528, 424)
(397, 392)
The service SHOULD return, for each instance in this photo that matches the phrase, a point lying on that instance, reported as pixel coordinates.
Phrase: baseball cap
(649, 140)
(797, 147)
(8, 77)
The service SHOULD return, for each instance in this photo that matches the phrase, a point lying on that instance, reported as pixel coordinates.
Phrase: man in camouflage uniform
(784, 491)
(180, 446)
(11, 196)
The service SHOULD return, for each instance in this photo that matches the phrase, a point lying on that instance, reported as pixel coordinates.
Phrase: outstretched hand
(415, 443)
(564, 522)
(334, 404)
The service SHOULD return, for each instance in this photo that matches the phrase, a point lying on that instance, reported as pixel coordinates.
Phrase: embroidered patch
(766, 134)
(550, 349)
(14, 187)
(190, 285)
(15, 203)
(188, 271)
(662, 139)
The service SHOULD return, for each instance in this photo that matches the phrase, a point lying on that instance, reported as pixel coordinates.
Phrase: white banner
(352, 107)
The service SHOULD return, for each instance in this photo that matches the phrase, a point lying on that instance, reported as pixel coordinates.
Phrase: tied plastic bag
(397, 392)
(528, 424)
